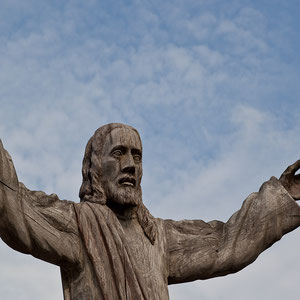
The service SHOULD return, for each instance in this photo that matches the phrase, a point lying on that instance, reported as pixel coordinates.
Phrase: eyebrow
(118, 147)
(122, 147)
(136, 151)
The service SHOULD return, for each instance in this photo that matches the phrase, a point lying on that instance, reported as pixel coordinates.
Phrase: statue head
(112, 172)
(112, 166)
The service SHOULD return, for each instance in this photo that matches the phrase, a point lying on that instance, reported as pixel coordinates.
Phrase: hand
(8, 176)
(290, 181)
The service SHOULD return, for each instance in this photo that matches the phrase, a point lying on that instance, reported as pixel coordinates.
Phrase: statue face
(121, 166)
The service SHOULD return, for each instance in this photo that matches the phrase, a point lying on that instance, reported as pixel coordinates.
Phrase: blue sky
(212, 87)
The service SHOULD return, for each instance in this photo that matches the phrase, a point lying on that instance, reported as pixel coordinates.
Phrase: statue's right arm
(200, 250)
(35, 223)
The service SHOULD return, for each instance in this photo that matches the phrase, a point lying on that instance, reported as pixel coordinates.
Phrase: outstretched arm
(199, 250)
(8, 176)
(34, 222)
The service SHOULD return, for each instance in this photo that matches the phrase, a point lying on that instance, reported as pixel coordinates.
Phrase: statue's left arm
(35, 223)
(200, 250)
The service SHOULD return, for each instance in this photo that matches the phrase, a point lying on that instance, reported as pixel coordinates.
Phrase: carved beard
(123, 195)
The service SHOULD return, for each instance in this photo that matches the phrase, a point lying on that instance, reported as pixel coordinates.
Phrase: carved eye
(137, 158)
(117, 153)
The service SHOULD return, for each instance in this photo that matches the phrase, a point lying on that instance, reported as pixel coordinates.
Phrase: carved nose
(129, 170)
(127, 165)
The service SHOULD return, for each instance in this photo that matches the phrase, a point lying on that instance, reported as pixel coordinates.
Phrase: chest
(150, 260)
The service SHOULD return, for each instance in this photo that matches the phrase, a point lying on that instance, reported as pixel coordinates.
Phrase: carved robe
(103, 257)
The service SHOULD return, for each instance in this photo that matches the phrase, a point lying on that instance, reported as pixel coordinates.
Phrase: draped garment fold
(113, 263)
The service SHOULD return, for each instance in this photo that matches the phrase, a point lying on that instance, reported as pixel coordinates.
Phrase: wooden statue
(109, 247)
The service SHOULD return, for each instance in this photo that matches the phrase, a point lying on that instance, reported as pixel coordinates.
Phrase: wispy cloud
(212, 87)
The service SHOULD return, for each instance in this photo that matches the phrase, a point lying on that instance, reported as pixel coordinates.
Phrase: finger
(297, 178)
(292, 169)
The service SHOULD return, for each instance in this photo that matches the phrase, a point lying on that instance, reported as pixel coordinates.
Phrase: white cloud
(203, 83)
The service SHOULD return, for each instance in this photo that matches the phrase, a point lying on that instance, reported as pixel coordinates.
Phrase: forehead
(123, 136)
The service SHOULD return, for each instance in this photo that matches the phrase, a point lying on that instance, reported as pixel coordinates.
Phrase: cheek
(110, 169)
(139, 172)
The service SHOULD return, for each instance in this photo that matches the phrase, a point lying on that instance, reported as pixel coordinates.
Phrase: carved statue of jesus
(109, 247)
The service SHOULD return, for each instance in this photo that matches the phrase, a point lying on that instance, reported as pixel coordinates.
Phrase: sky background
(212, 87)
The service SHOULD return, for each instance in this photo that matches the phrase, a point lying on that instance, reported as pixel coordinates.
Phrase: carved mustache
(129, 181)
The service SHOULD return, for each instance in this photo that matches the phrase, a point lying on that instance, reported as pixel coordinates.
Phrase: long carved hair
(91, 189)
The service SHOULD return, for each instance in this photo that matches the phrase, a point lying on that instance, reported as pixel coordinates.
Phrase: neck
(124, 212)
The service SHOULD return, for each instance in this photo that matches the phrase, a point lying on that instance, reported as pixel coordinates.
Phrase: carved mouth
(128, 181)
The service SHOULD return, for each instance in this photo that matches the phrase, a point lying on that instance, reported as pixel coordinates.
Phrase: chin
(127, 196)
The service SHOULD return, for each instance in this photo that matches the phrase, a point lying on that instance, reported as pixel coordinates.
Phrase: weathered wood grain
(110, 247)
